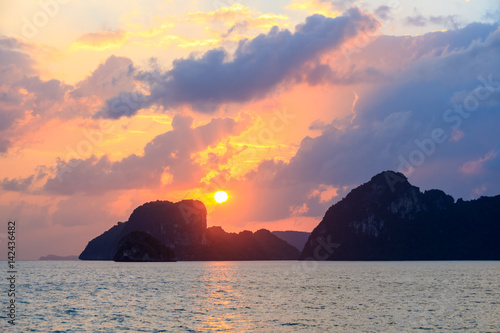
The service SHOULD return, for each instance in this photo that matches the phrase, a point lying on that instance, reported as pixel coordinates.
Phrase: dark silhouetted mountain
(295, 238)
(182, 229)
(104, 247)
(179, 226)
(56, 257)
(389, 219)
(261, 245)
(141, 246)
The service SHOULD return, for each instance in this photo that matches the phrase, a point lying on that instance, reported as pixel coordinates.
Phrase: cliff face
(140, 246)
(179, 226)
(389, 219)
(166, 231)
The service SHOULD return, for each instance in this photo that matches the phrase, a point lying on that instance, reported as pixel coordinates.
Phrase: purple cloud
(257, 66)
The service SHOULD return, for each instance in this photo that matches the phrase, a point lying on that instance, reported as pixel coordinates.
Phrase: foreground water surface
(255, 296)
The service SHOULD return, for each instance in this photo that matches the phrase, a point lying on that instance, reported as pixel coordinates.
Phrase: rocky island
(387, 218)
(166, 231)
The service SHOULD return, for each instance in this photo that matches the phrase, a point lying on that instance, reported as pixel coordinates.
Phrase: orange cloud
(299, 210)
(102, 40)
(324, 192)
(223, 14)
(237, 19)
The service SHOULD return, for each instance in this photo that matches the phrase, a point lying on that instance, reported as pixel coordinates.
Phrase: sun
(220, 196)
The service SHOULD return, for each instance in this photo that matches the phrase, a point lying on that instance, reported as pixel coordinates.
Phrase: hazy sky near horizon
(287, 105)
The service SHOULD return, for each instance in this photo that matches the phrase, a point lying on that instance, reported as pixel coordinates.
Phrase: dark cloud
(321, 73)
(449, 21)
(383, 12)
(15, 62)
(256, 68)
(417, 21)
(17, 185)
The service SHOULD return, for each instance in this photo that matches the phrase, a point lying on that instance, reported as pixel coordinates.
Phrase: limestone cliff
(389, 219)
(166, 231)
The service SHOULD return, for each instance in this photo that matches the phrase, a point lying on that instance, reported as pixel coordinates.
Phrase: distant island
(386, 218)
(389, 219)
(56, 257)
(295, 238)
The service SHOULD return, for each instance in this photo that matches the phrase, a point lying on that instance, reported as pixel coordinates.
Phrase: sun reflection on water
(221, 302)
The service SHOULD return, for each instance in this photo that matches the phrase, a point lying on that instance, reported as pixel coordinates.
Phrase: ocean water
(270, 296)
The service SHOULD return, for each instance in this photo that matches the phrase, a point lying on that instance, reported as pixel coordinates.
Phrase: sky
(286, 105)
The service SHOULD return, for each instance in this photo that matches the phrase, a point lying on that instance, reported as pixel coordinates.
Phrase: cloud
(102, 40)
(170, 153)
(265, 21)
(493, 14)
(15, 61)
(383, 12)
(23, 95)
(41, 95)
(444, 21)
(299, 210)
(476, 165)
(223, 14)
(109, 79)
(82, 210)
(257, 67)
(33, 216)
(329, 8)
(417, 21)
(4, 145)
(15, 64)
(447, 21)
(340, 5)
(318, 125)
(17, 185)
(325, 193)
(395, 118)
(231, 23)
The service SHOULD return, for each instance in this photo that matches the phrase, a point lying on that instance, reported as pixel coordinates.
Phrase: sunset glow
(286, 106)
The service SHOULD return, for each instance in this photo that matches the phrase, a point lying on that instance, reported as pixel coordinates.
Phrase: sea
(255, 296)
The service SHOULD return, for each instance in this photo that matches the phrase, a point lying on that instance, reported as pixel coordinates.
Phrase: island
(387, 218)
(166, 231)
